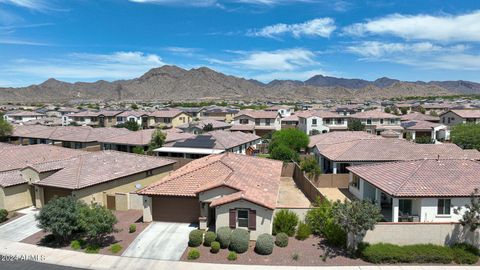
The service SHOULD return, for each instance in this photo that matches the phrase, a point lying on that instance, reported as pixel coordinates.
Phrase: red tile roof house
(418, 128)
(97, 177)
(15, 191)
(454, 117)
(376, 121)
(77, 137)
(425, 190)
(218, 190)
(143, 119)
(22, 116)
(321, 121)
(103, 118)
(169, 118)
(257, 122)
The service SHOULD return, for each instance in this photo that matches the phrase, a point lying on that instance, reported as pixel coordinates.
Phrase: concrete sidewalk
(96, 261)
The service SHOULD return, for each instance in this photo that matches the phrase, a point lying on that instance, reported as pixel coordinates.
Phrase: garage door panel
(175, 209)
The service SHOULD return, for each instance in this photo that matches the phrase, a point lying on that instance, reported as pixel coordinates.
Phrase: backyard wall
(332, 180)
(421, 233)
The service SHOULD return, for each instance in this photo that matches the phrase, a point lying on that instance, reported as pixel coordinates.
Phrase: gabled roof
(100, 167)
(256, 180)
(420, 125)
(133, 113)
(202, 123)
(466, 113)
(24, 113)
(69, 133)
(167, 113)
(318, 113)
(419, 116)
(144, 136)
(11, 178)
(258, 114)
(423, 178)
(373, 114)
(218, 139)
(339, 137)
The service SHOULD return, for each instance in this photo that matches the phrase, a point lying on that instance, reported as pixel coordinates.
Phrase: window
(244, 121)
(405, 207)
(267, 122)
(355, 182)
(119, 119)
(381, 121)
(443, 206)
(257, 122)
(314, 121)
(242, 218)
(443, 119)
(369, 121)
(149, 172)
(340, 121)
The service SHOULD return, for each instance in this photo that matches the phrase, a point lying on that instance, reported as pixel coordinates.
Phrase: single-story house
(227, 189)
(418, 128)
(425, 190)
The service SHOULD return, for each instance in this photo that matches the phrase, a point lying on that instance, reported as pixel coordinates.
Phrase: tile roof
(257, 114)
(133, 113)
(11, 178)
(24, 113)
(7, 145)
(242, 127)
(255, 179)
(423, 178)
(467, 113)
(318, 113)
(221, 139)
(420, 125)
(144, 136)
(292, 118)
(392, 150)
(100, 167)
(373, 114)
(13, 158)
(202, 123)
(419, 116)
(338, 137)
(69, 133)
(166, 113)
(23, 130)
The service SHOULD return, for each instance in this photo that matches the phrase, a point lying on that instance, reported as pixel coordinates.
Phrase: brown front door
(111, 203)
(175, 209)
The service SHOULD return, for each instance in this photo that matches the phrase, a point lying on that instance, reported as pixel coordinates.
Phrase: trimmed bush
(264, 244)
(285, 221)
(209, 238)
(195, 238)
(92, 248)
(464, 253)
(3, 215)
(334, 234)
(232, 256)
(193, 254)
(224, 235)
(303, 231)
(239, 240)
(214, 247)
(76, 245)
(115, 248)
(388, 253)
(281, 239)
(132, 228)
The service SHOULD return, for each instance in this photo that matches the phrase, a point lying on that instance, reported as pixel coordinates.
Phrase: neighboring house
(96, 177)
(141, 138)
(213, 142)
(219, 113)
(284, 111)
(454, 117)
(338, 137)
(77, 137)
(197, 127)
(169, 118)
(425, 190)
(438, 108)
(290, 122)
(93, 118)
(195, 112)
(416, 116)
(258, 122)
(314, 121)
(228, 189)
(15, 192)
(435, 131)
(16, 117)
(141, 118)
(407, 107)
(348, 109)
(376, 121)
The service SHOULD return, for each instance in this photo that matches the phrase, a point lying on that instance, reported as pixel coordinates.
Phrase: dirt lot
(122, 237)
(310, 252)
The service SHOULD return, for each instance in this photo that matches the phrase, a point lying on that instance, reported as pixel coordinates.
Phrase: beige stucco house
(169, 118)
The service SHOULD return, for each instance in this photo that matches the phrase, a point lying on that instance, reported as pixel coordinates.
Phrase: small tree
(96, 222)
(158, 139)
(134, 106)
(283, 153)
(466, 136)
(138, 150)
(356, 218)
(421, 110)
(60, 217)
(471, 215)
(6, 128)
(396, 111)
(310, 166)
(208, 127)
(130, 125)
(433, 113)
(423, 140)
(356, 125)
(293, 138)
(388, 110)
(403, 110)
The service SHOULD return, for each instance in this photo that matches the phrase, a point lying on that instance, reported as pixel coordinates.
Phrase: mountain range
(172, 83)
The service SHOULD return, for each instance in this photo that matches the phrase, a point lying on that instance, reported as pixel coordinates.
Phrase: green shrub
(285, 221)
(281, 239)
(214, 247)
(295, 256)
(76, 245)
(388, 253)
(468, 247)
(232, 256)
(193, 254)
(303, 231)
(3, 215)
(115, 248)
(264, 244)
(195, 238)
(132, 228)
(239, 240)
(209, 238)
(48, 239)
(92, 248)
(464, 253)
(224, 235)
(334, 234)
(318, 216)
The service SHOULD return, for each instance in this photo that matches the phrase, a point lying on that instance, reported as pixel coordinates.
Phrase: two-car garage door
(175, 209)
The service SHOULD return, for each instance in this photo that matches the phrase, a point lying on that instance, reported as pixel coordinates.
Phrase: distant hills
(173, 83)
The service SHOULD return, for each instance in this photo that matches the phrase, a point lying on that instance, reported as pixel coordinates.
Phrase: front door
(211, 217)
(111, 203)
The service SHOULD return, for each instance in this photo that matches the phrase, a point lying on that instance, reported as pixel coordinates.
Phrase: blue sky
(88, 40)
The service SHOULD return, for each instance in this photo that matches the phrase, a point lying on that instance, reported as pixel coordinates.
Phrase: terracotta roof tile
(258, 114)
(338, 137)
(373, 114)
(414, 116)
(467, 113)
(419, 125)
(11, 178)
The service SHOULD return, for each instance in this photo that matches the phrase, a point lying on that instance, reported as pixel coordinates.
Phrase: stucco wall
(15, 197)
(421, 233)
(264, 217)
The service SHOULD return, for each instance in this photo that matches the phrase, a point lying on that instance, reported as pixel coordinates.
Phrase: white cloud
(85, 66)
(376, 49)
(219, 3)
(40, 5)
(322, 27)
(446, 28)
(301, 75)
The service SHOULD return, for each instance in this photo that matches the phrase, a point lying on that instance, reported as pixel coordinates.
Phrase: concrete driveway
(161, 240)
(20, 228)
